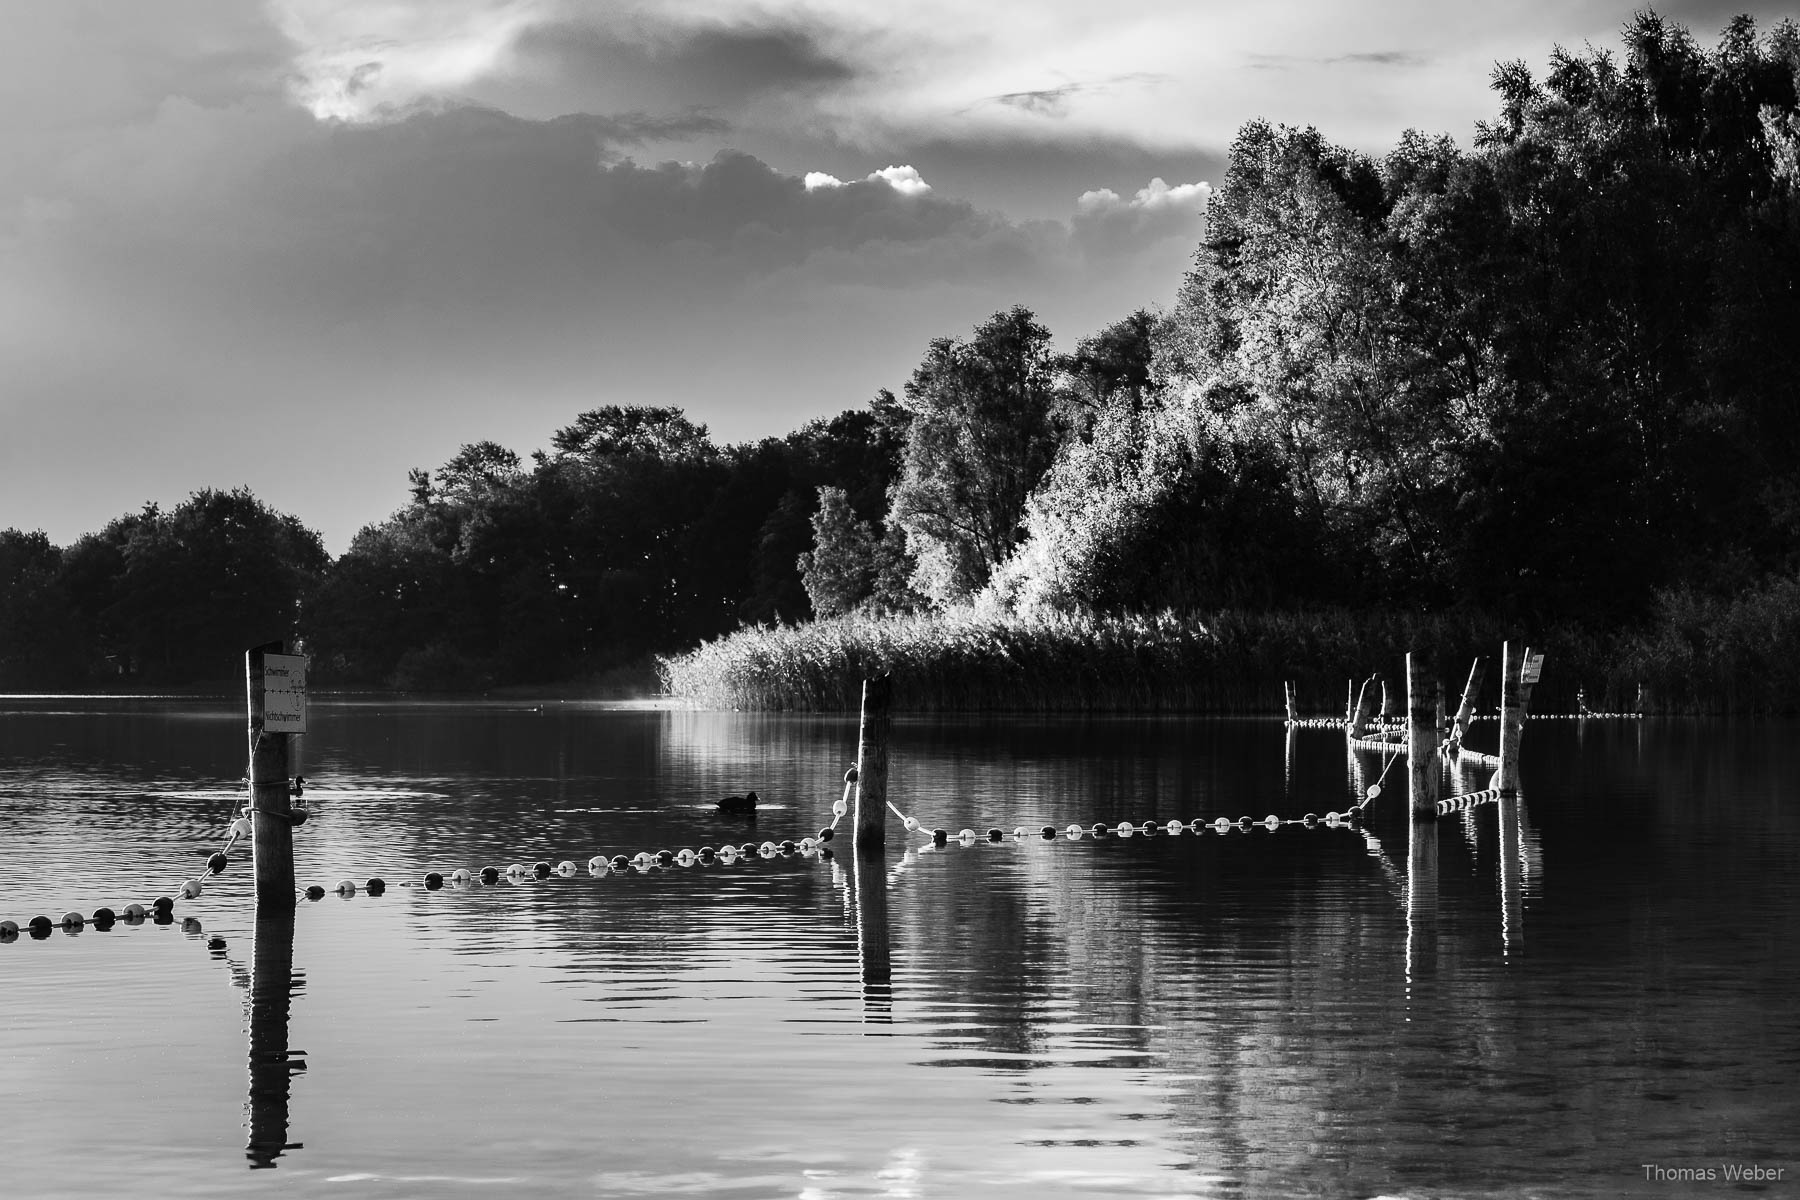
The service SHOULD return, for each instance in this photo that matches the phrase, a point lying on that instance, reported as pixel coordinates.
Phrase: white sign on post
(1534, 667)
(284, 693)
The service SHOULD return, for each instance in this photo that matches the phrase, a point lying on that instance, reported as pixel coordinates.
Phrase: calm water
(1539, 1002)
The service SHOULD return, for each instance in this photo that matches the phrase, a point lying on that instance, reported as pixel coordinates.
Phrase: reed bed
(962, 660)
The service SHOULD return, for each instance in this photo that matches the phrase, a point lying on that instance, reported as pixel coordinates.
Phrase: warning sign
(1534, 666)
(284, 693)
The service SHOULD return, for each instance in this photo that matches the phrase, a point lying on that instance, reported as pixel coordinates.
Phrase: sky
(302, 246)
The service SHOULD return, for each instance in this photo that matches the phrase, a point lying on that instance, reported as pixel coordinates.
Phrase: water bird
(739, 804)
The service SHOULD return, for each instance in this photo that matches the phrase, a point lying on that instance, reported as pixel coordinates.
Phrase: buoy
(1374, 790)
(1271, 822)
(73, 921)
(597, 865)
(839, 808)
(1098, 830)
(162, 903)
(967, 835)
(728, 854)
(707, 852)
(191, 889)
(995, 835)
(565, 868)
(1197, 825)
(685, 857)
(8, 930)
(1310, 819)
(134, 913)
(827, 833)
(807, 845)
(40, 926)
(1221, 824)
(347, 887)
(620, 862)
(104, 917)
(433, 881)
(1245, 822)
(216, 944)
(217, 861)
(1173, 828)
(375, 885)
(940, 836)
(315, 892)
(1074, 832)
(460, 876)
(641, 858)
(665, 857)
(541, 870)
(911, 823)
(297, 816)
(786, 847)
(1125, 829)
(490, 875)
(241, 828)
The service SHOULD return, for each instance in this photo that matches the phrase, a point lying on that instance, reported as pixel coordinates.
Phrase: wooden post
(872, 762)
(1349, 701)
(272, 1064)
(1465, 711)
(1287, 690)
(1423, 769)
(1390, 703)
(271, 812)
(1365, 707)
(1512, 719)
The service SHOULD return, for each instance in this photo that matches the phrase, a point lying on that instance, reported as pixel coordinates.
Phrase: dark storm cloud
(666, 65)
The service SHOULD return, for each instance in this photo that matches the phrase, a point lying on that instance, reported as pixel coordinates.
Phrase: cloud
(1106, 223)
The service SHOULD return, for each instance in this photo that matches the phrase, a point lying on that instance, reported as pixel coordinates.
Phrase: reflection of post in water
(1512, 906)
(872, 934)
(272, 988)
(1421, 900)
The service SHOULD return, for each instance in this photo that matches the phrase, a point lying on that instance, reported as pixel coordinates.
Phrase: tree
(839, 570)
(979, 436)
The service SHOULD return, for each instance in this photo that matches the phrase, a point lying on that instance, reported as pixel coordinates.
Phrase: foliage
(979, 437)
(839, 570)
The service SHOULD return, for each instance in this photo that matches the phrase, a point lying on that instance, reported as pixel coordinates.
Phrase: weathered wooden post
(1349, 701)
(1516, 678)
(271, 1063)
(275, 687)
(872, 762)
(1423, 769)
(1287, 690)
(1365, 707)
(1465, 711)
(1390, 703)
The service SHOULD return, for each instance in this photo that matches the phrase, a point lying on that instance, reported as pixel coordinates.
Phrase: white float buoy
(191, 889)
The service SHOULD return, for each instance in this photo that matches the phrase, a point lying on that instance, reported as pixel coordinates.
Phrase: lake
(1591, 992)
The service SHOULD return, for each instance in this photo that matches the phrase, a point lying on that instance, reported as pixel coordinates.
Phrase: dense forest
(1552, 377)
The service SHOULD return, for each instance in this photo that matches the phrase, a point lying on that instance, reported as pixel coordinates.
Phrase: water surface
(1536, 1001)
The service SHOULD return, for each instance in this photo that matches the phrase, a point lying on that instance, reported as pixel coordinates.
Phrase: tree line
(1548, 376)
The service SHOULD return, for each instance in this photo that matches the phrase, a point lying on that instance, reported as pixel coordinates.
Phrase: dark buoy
(620, 862)
(104, 918)
(375, 886)
(665, 857)
(1148, 828)
(739, 804)
(996, 834)
(163, 904)
(73, 922)
(297, 816)
(216, 862)
(1099, 829)
(786, 847)
(9, 931)
(827, 833)
(315, 892)
(490, 875)
(40, 927)
(940, 836)
(216, 944)
(541, 870)
(1049, 832)
(433, 880)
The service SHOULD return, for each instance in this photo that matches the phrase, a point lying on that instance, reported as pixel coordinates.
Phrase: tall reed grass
(1226, 662)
